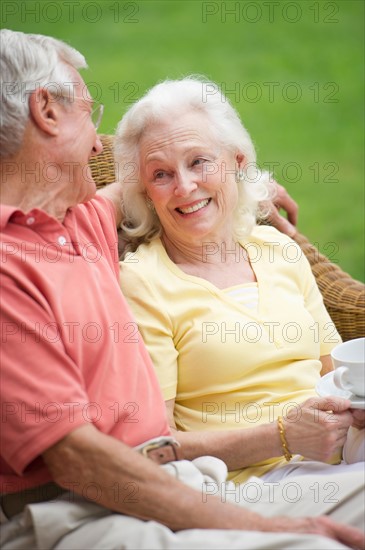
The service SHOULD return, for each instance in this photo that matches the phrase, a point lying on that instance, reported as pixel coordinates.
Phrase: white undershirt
(246, 295)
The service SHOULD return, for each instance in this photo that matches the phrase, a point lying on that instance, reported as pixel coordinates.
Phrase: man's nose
(98, 147)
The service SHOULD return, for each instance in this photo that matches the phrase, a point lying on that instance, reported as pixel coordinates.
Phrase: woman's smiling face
(189, 178)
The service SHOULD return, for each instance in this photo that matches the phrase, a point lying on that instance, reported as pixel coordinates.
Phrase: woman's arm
(315, 433)
(326, 364)
(237, 448)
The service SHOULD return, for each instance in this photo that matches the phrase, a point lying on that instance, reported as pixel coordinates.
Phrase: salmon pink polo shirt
(71, 352)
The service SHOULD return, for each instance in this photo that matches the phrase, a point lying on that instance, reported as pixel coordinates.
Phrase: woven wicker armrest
(102, 166)
(344, 297)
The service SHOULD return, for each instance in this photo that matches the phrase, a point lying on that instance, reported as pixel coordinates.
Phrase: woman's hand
(358, 417)
(318, 428)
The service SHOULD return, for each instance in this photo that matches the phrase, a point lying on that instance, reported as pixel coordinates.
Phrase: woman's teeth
(194, 208)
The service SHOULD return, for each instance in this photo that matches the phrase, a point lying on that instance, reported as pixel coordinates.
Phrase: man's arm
(113, 192)
(283, 200)
(133, 485)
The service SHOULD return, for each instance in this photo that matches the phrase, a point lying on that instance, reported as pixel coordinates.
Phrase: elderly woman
(229, 309)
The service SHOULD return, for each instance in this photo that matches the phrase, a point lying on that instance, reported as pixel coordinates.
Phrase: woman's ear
(45, 111)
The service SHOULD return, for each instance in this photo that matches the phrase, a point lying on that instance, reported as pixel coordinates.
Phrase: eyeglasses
(97, 114)
(96, 111)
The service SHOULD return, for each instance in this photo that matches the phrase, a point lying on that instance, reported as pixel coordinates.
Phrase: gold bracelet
(287, 454)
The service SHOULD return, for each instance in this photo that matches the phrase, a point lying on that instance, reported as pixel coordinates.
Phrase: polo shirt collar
(36, 216)
(6, 211)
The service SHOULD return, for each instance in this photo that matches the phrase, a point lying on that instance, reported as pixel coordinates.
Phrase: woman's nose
(184, 184)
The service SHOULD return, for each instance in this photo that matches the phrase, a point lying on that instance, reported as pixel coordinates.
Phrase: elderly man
(78, 389)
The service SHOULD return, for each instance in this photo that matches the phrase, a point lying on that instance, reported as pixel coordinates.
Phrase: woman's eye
(198, 161)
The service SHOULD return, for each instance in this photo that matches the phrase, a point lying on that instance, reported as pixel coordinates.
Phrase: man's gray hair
(28, 62)
(162, 103)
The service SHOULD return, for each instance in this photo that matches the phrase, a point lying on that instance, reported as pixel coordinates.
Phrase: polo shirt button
(30, 220)
(62, 240)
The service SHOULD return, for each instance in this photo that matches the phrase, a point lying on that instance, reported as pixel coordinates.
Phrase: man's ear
(45, 111)
(240, 159)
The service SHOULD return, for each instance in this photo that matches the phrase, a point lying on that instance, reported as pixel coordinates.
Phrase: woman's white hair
(163, 102)
(28, 62)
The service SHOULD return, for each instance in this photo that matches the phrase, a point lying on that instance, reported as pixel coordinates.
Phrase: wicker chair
(343, 296)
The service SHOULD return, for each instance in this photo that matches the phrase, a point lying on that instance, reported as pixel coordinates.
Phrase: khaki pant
(70, 522)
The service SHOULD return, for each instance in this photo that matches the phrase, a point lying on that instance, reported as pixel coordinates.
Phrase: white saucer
(325, 386)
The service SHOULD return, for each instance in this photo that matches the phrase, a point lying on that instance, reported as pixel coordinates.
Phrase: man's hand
(321, 525)
(284, 201)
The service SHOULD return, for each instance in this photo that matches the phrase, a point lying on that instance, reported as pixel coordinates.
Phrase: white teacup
(349, 362)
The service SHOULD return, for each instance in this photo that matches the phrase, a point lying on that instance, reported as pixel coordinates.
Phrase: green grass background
(309, 54)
